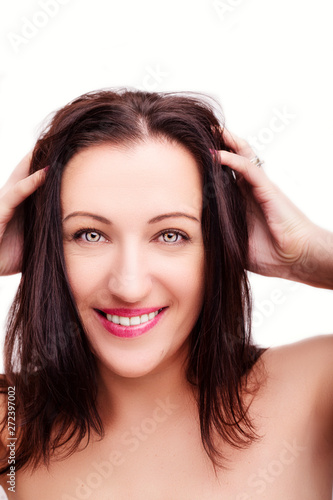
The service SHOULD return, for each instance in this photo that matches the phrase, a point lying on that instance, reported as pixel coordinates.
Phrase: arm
(317, 268)
(18, 187)
(284, 243)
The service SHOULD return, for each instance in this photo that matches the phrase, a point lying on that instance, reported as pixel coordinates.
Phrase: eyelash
(77, 235)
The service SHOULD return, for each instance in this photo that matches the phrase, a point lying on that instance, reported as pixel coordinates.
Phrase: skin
(133, 265)
(152, 446)
(18, 187)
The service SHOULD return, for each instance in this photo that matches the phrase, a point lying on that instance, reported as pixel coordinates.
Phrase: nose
(130, 278)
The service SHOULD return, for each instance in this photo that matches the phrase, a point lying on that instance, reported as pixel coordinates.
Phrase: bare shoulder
(314, 348)
(310, 359)
(305, 370)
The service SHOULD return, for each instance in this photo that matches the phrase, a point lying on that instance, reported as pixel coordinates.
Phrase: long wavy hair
(47, 356)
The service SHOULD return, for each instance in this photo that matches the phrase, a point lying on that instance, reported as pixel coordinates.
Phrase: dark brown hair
(47, 356)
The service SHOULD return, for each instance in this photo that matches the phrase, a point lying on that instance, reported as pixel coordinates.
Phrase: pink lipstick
(130, 323)
(130, 312)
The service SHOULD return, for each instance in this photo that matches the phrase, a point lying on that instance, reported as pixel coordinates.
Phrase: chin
(149, 354)
(130, 370)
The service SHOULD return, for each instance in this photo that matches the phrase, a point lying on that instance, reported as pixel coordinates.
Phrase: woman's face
(134, 251)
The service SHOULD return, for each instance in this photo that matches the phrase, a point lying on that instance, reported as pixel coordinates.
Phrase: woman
(129, 360)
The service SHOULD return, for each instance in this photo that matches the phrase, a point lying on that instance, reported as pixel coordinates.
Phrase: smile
(129, 326)
(131, 320)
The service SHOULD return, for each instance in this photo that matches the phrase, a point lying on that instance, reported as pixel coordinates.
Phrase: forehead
(152, 176)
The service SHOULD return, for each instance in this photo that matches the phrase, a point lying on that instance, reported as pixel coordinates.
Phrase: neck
(165, 392)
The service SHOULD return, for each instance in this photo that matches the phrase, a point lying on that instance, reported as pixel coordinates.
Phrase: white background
(259, 58)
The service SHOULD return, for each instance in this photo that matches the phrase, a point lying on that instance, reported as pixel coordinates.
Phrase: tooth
(135, 320)
(124, 321)
(131, 321)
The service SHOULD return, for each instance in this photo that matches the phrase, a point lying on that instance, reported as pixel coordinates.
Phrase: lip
(130, 312)
(129, 331)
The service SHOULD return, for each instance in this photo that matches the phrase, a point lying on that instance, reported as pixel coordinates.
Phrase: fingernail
(46, 168)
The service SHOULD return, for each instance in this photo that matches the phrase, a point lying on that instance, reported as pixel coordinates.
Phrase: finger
(18, 193)
(238, 145)
(251, 173)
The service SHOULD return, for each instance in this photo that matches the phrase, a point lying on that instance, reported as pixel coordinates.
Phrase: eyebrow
(104, 220)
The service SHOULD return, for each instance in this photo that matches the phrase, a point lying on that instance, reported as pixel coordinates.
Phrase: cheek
(185, 278)
(85, 278)
(182, 277)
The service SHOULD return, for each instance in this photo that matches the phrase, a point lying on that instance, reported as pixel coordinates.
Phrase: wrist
(315, 267)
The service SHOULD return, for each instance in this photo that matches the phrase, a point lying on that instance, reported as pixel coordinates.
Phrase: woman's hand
(18, 187)
(283, 241)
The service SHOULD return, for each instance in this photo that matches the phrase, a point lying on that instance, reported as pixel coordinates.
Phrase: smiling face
(134, 251)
